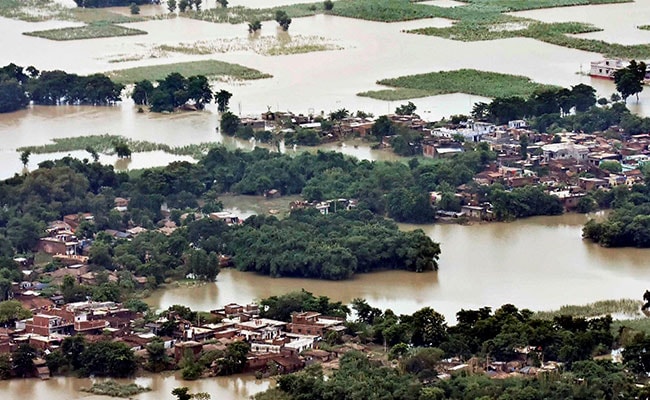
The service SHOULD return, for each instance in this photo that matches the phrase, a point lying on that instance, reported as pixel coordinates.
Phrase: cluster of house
(519, 366)
(325, 207)
(571, 161)
(62, 243)
(346, 127)
(285, 346)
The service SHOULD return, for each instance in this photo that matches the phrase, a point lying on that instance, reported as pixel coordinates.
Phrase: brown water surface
(540, 263)
(60, 388)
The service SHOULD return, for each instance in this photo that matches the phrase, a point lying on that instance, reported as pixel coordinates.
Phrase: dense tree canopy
(331, 246)
(18, 86)
(629, 80)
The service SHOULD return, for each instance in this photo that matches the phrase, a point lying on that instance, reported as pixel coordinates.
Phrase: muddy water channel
(235, 388)
(540, 263)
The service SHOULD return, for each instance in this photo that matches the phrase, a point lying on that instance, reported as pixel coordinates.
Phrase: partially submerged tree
(222, 97)
(24, 157)
(254, 26)
(629, 80)
(282, 19)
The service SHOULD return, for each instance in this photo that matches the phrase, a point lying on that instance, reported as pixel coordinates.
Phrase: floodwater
(540, 263)
(240, 387)
(302, 83)
(628, 17)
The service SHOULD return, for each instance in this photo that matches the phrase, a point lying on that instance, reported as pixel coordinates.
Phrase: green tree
(12, 95)
(328, 5)
(234, 361)
(134, 8)
(6, 369)
(429, 328)
(24, 233)
(72, 349)
(254, 26)
(198, 90)
(229, 123)
(611, 166)
(203, 265)
(157, 356)
(182, 393)
(406, 109)
(142, 90)
(383, 127)
(114, 359)
(282, 19)
(222, 97)
(93, 153)
(583, 97)
(12, 310)
(171, 5)
(122, 150)
(23, 360)
(24, 157)
(629, 80)
(183, 5)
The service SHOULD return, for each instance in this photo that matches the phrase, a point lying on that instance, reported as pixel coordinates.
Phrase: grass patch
(485, 20)
(42, 10)
(627, 307)
(115, 389)
(30, 10)
(93, 15)
(395, 94)
(264, 45)
(641, 324)
(470, 81)
(92, 31)
(282, 50)
(521, 5)
(105, 144)
(209, 68)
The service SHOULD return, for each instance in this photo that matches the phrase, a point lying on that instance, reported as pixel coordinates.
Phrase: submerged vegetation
(239, 15)
(264, 45)
(115, 389)
(628, 307)
(91, 31)
(470, 81)
(209, 68)
(106, 144)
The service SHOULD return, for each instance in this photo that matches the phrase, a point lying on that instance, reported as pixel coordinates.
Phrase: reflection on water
(540, 263)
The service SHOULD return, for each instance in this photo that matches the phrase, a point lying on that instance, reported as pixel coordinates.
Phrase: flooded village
(124, 267)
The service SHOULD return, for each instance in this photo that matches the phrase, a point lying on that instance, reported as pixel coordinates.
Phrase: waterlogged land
(91, 31)
(470, 81)
(627, 308)
(264, 45)
(209, 68)
(105, 144)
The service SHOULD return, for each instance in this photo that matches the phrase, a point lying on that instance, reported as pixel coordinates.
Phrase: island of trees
(19, 86)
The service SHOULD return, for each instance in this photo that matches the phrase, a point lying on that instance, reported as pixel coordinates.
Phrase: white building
(564, 151)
